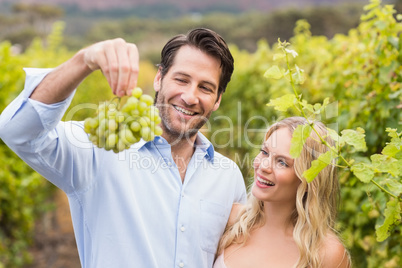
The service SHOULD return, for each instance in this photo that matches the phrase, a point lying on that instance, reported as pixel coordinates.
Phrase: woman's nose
(263, 163)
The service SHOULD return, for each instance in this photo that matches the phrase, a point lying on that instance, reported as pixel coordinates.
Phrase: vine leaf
(283, 103)
(363, 172)
(273, 72)
(355, 138)
(383, 163)
(278, 56)
(392, 216)
(319, 164)
(394, 186)
(300, 135)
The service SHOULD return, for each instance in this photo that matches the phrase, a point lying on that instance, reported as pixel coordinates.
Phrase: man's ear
(158, 80)
(217, 103)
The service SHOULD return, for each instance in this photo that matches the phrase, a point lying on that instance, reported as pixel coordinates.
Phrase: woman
(287, 222)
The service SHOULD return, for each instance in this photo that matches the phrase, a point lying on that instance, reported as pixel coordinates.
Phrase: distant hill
(182, 5)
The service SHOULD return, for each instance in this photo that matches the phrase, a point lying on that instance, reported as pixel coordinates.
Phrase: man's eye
(180, 80)
(207, 89)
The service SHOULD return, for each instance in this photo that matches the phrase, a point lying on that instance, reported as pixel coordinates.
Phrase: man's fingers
(134, 59)
(123, 68)
(112, 68)
(118, 61)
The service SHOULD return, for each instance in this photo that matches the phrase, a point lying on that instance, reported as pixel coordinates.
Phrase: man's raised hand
(118, 61)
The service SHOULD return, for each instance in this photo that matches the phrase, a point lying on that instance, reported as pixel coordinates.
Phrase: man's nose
(190, 95)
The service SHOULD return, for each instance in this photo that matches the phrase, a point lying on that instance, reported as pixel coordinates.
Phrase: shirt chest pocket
(213, 219)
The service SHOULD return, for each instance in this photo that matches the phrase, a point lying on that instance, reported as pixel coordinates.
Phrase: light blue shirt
(129, 209)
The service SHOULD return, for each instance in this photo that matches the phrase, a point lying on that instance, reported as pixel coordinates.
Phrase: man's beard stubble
(166, 122)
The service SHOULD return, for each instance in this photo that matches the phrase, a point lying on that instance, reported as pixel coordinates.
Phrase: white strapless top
(219, 262)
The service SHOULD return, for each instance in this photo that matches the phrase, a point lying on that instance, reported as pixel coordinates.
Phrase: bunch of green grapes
(117, 128)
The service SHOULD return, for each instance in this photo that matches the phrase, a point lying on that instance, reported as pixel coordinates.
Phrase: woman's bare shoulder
(334, 253)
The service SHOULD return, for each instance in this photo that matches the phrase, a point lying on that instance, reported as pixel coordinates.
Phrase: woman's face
(275, 179)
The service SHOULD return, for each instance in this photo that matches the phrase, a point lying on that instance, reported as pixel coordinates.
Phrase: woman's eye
(264, 152)
(282, 163)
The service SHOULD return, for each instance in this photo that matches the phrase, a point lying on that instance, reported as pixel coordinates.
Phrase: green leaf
(278, 56)
(383, 163)
(394, 41)
(283, 103)
(371, 6)
(300, 135)
(394, 186)
(319, 164)
(392, 216)
(307, 106)
(390, 150)
(355, 138)
(274, 72)
(392, 132)
(363, 172)
(385, 74)
(335, 137)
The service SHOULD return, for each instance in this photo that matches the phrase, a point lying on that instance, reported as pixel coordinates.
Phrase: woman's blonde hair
(316, 202)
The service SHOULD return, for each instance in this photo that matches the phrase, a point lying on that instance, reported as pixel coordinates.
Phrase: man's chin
(183, 132)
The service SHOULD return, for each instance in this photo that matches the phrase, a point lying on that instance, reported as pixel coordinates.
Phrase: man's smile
(184, 111)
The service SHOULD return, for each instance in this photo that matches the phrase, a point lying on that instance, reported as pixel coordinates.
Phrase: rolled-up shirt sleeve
(33, 130)
(33, 117)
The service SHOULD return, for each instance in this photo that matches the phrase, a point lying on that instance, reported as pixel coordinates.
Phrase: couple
(173, 215)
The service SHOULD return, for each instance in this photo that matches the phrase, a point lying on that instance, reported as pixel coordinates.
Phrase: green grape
(120, 146)
(137, 92)
(111, 140)
(120, 117)
(142, 107)
(135, 126)
(127, 137)
(130, 105)
(144, 122)
(117, 127)
(147, 99)
(112, 124)
(146, 133)
(87, 127)
(158, 131)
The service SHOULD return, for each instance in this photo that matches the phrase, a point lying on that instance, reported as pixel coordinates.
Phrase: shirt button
(169, 164)
(182, 228)
(181, 264)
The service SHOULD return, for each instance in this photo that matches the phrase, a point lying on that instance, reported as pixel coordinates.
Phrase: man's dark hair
(207, 41)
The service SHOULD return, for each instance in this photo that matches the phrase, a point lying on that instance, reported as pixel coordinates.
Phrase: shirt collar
(201, 142)
(204, 144)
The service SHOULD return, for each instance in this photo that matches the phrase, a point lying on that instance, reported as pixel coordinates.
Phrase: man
(163, 203)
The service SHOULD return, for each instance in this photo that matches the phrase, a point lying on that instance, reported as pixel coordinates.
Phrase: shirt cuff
(49, 114)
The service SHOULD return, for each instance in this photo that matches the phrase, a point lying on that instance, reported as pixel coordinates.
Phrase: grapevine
(116, 127)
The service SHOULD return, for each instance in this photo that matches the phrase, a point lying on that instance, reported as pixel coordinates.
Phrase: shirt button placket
(181, 264)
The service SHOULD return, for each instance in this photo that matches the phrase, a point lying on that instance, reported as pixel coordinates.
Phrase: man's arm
(118, 61)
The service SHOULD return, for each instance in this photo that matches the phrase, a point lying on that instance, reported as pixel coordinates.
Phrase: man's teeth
(266, 182)
(183, 111)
